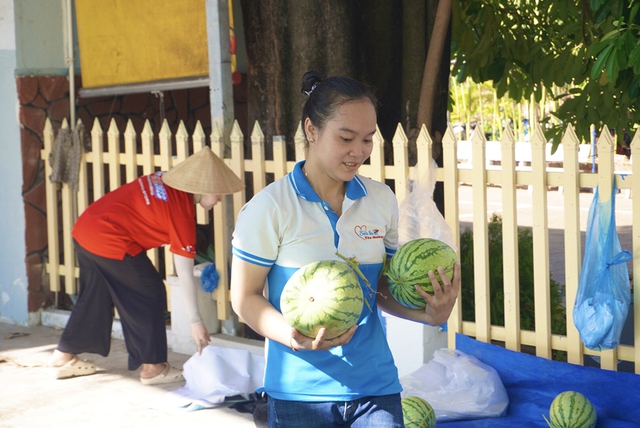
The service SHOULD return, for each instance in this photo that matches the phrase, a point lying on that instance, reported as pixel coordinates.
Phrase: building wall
(39, 37)
(13, 276)
(34, 86)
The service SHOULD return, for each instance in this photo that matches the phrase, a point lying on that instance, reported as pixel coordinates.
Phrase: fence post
(129, 157)
(258, 158)
(113, 142)
(541, 280)
(376, 159)
(165, 163)
(182, 152)
(572, 240)
(480, 235)
(424, 145)
(82, 196)
(605, 148)
(146, 160)
(300, 143)
(400, 163)
(635, 177)
(67, 241)
(53, 245)
(452, 216)
(237, 165)
(221, 235)
(511, 274)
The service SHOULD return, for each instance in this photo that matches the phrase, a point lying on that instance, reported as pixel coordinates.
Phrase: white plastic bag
(218, 373)
(458, 386)
(418, 213)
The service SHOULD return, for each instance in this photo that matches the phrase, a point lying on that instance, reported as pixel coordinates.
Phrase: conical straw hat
(203, 173)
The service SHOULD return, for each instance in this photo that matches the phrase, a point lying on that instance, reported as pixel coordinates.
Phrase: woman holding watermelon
(318, 210)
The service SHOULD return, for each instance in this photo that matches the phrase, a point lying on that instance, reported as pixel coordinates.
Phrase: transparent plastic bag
(419, 216)
(458, 386)
(604, 292)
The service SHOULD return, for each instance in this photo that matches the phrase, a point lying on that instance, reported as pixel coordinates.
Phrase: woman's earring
(311, 141)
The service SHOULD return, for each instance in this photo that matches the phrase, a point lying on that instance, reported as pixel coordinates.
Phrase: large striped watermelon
(417, 413)
(411, 264)
(570, 409)
(322, 294)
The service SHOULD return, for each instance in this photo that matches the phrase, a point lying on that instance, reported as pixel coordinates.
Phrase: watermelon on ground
(417, 413)
(410, 265)
(322, 294)
(570, 409)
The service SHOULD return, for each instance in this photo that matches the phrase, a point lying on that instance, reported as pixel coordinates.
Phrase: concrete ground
(30, 396)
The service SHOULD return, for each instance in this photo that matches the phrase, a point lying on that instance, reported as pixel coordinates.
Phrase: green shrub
(496, 281)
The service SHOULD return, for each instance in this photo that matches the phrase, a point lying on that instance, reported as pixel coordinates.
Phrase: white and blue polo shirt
(286, 226)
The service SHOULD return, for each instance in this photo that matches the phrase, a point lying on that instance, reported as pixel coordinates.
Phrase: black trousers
(135, 288)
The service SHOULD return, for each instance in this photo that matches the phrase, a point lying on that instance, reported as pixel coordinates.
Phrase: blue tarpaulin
(533, 382)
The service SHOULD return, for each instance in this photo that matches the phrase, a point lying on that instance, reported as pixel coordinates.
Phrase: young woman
(111, 238)
(321, 207)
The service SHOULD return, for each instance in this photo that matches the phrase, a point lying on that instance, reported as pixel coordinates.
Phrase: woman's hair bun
(309, 81)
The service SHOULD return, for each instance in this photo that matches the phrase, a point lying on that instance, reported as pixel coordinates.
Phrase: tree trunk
(284, 39)
(414, 52)
(381, 42)
(430, 80)
(434, 93)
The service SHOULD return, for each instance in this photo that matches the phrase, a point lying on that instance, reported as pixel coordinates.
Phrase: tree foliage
(585, 53)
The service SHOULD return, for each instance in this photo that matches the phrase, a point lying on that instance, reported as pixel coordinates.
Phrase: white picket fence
(480, 173)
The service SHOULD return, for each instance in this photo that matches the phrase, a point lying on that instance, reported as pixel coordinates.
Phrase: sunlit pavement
(30, 396)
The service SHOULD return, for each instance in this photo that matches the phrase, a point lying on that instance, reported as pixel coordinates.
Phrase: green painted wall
(40, 37)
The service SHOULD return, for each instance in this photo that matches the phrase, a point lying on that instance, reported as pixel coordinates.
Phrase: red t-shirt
(136, 217)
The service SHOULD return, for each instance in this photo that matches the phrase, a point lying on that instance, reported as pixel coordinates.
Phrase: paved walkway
(30, 396)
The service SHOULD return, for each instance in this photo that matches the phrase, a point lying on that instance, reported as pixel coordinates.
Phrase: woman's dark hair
(326, 96)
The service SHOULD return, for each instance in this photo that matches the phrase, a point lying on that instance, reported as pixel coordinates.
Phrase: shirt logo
(364, 233)
(156, 186)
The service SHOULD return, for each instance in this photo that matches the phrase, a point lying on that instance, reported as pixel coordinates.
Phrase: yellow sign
(135, 41)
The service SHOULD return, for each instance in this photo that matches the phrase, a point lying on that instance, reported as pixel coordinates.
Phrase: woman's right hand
(300, 342)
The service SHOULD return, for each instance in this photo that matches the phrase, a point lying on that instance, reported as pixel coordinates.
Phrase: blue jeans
(369, 412)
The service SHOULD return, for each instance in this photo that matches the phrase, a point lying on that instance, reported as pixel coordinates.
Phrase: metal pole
(70, 60)
(593, 148)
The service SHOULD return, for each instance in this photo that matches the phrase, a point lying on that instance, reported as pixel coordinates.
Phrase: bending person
(111, 238)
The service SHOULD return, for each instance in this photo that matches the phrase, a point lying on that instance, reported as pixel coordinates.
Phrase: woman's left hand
(200, 335)
(440, 305)
(301, 342)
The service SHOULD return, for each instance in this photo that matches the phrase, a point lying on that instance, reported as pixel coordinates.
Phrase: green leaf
(610, 34)
(612, 67)
(207, 256)
(634, 11)
(495, 71)
(603, 58)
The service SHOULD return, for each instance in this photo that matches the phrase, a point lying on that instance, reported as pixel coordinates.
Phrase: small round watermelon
(322, 294)
(418, 413)
(410, 265)
(570, 409)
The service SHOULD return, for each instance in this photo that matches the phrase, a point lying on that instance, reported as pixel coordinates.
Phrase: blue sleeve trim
(252, 258)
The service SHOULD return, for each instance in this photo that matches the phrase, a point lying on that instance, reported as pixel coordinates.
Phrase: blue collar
(355, 188)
